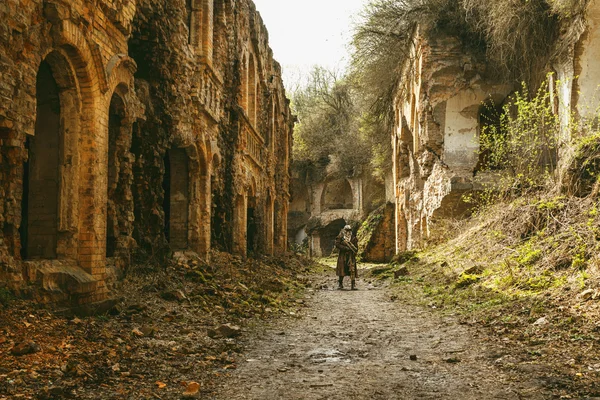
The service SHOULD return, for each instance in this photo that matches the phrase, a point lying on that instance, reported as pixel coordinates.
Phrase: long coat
(346, 262)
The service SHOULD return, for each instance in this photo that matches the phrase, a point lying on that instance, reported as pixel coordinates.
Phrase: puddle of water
(319, 356)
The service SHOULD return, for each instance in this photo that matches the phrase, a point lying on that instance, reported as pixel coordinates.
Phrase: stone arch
(337, 195)
(119, 142)
(73, 104)
(83, 227)
(120, 69)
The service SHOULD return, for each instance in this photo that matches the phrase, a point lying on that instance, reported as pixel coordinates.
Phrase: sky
(304, 33)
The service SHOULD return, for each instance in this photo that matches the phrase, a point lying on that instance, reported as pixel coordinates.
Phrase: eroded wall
(435, 139)
(96, 96)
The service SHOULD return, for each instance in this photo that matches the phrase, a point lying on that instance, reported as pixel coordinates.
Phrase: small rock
(401, 272)
(211, 333)
(229, 331)
(173, 295)
(413, 357)
(452, 360)
(587, 294)
(137, 332)
(29, 347)
(474, 270)
(148, 330)
(541, 321)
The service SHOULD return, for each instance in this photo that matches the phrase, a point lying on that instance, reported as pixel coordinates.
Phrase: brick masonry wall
(124, 84)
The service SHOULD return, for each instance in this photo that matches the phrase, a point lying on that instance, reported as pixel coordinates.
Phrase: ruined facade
(435, 140)
(145, 129)
(444, 99)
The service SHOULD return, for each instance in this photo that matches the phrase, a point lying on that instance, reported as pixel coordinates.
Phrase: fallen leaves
(152, 341)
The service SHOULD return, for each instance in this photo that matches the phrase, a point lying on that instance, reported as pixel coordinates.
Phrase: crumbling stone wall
(435, 139)
(376, 236)
(126, 130)
(60, 64)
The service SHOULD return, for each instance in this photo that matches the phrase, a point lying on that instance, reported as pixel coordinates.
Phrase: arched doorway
(328, 235)
(176, 198)
(40, 201)
(116, 115)
(251, 226)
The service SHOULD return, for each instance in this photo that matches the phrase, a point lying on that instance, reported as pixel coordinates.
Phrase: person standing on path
(347, 243)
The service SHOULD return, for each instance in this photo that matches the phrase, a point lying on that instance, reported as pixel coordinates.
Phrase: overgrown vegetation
(328, 134)
(515, 38)
(522, 149)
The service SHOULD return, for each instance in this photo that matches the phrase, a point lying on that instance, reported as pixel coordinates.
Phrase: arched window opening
(328, 235)
(116, 114)
(337, 195)
(40, 202)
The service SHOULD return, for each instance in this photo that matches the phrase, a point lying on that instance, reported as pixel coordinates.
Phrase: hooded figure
(347, 243)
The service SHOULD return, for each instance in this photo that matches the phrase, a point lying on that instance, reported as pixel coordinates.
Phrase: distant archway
(337, 195)
(116, 115)
(328, 235)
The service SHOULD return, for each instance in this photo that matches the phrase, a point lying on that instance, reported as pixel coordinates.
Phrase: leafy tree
(328, 135)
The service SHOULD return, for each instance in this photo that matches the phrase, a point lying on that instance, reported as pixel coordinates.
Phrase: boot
(353, 287)
(340, 283)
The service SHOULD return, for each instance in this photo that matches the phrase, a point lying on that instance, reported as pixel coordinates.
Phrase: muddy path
(362, 345)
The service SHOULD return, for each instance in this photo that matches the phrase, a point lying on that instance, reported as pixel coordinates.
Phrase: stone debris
(28, 347)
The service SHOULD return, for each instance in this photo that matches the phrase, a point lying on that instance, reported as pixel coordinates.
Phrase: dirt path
(359, 344)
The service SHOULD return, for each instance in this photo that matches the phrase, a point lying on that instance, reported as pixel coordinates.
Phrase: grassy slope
(530, 271)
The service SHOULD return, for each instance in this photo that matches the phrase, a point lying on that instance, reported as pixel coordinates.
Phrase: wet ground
(363, 345)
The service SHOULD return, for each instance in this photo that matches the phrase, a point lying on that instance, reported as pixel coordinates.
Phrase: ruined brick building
(136, 128)
(441, 106)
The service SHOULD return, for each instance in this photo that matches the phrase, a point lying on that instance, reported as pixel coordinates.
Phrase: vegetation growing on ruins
(523, 148)
(328, 134)
(516, 39)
